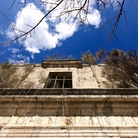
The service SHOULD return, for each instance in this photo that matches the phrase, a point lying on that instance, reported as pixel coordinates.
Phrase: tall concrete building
(66, 99)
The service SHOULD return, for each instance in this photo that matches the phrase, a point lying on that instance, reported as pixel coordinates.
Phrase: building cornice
(69, 94)
(61, 63)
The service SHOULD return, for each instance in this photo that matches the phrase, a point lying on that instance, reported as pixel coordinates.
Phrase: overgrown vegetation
(7, 75)
(26, 71)
(88, 58)
(58, 56)
(10, 77)
(121, 69)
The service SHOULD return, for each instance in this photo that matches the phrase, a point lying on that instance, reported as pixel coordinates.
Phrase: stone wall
(91, 113)
(85, 77)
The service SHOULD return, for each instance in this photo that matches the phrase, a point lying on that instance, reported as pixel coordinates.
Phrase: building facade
(67, 99)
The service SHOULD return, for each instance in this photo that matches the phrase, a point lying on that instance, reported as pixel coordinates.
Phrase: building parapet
(61, 63)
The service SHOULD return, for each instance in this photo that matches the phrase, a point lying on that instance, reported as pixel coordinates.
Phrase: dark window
(59, 80)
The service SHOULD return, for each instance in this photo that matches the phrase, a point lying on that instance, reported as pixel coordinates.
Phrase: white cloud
(38, 39)
(66, 6)
(22, 1)
(50, 31)
(19, 59)
(65, 30)
(1, 31)
(14, 50)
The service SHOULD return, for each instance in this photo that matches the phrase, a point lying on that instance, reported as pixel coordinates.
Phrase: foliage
(57, 56)
(26, 71)
(122, 67)
(7, 75)
(88, 58)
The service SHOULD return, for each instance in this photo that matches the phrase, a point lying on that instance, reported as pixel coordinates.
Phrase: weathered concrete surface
(96, 126)
(104, 114)
(62, 63)
(69, 121)
(68, 108)
(76, 113)
(85, 77)
(56, 132)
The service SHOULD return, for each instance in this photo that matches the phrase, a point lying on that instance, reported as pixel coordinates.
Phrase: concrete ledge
(62, 63)
(68, 95)
(9, 91)
(83, 98)
(97, 132)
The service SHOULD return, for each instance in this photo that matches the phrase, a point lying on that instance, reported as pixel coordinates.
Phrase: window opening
(59, 80)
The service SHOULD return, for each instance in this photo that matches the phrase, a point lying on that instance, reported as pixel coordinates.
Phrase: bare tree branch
(12, 4)
(69, 7)
(118, 19)
(26, 33)
(7, 19)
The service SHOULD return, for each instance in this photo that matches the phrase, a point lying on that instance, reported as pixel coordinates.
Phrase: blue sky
(65, 39)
